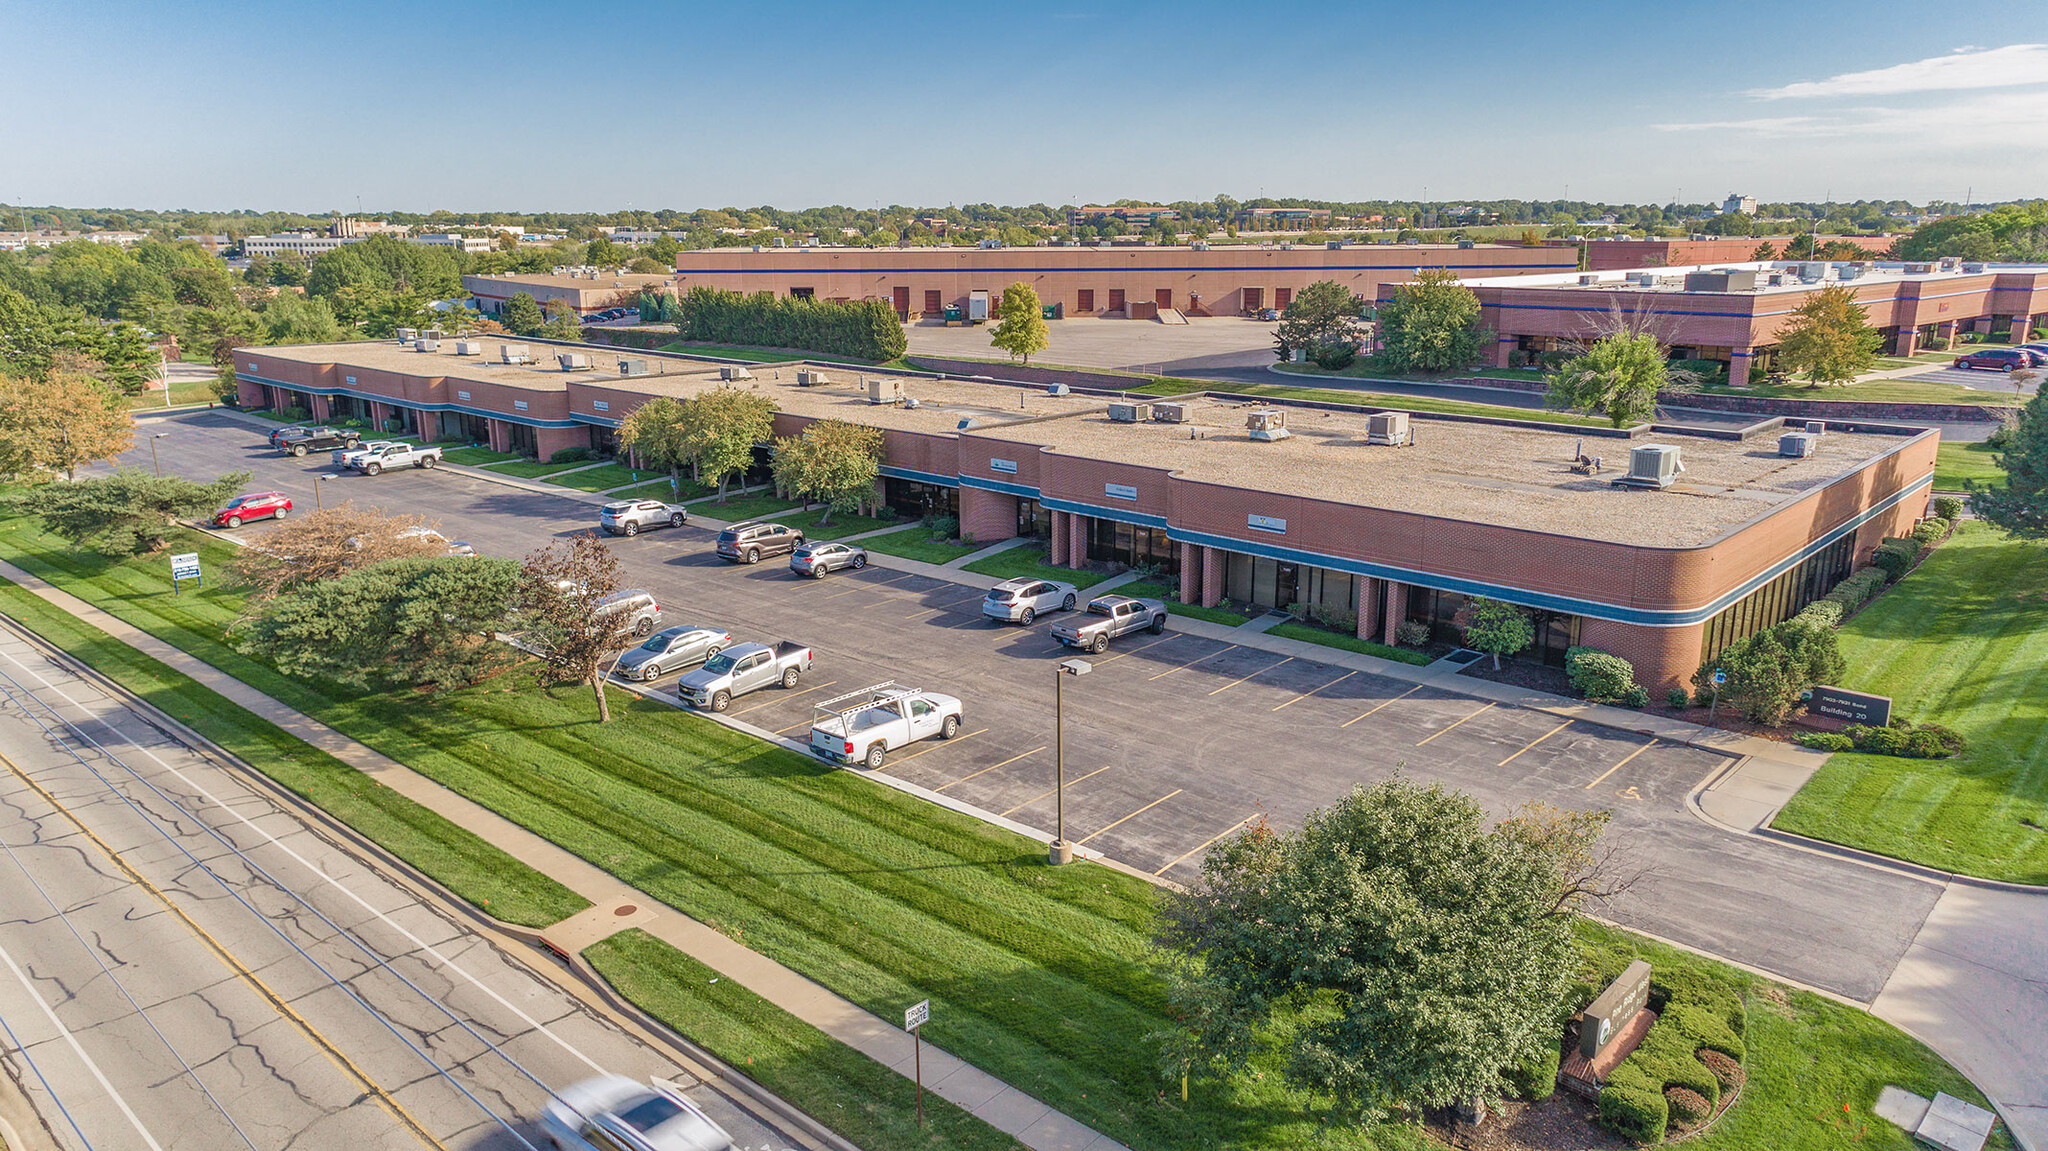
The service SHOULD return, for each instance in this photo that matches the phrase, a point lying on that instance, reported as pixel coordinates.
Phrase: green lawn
(183, 391)
(916, 543)
(1962, 641)
(533, 469)
(606, 476)
(738, 508)
(1955, 464)
(852, 1094)
(1170, 595)
(1328, 638)
(458, 859)
(1877, 391)
(843, 524)
(1029, 560)
(778, 355)
(476, 457)
(1041, 976)
(1403, 403)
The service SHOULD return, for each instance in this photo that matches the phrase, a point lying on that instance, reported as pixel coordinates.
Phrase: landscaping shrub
(1705, 1027)
(1636, 696)
(1335, 618)
(1857, 589)
(1334, 355)
(1409, 633)
(1677, 699)
(1709, 372)
(863, 329)
(573, 456)
(1536, 1078)
(1895, 557)
(1927, 741)
(1826, 741)
(1633, 1107)
(294, 414)
(1601, 677)
(942, 527)
(1726, 1071)
(1929, 532)
(1949, 508)
(1821, 613)
(1686, 1107)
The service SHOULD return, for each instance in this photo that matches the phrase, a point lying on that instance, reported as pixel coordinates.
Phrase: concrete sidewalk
(1031, 1122)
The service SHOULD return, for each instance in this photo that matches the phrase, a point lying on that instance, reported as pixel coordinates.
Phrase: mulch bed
(1521, 673)
(1563, 1122)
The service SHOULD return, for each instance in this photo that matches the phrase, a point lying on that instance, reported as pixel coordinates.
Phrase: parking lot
(1177, 740)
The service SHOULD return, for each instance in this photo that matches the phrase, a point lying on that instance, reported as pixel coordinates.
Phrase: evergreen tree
(522, 316)
(2020, 508)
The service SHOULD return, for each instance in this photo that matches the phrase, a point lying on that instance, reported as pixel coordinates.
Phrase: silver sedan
(613, 1112)
(672, 649)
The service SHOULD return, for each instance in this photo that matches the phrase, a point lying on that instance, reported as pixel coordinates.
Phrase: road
(185, 963)
(1160, 741)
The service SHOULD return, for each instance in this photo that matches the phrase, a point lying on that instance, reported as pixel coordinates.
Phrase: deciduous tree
(721, 428)
(654, 432)
(2020, 508)
(58, 422)
(425, 621)
(1020, 323)
(834, 462)
(1619, 375)
(1397, 950)
(561, 604)
(562, 324)
(1322, 315)
(1431, 324)
(1498, 629)
(1830, 339)
(127, 513)
(326, 544)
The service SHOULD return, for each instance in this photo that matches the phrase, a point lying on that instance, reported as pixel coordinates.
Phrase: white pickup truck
(342, 455)
(865, 726)
(394, 456)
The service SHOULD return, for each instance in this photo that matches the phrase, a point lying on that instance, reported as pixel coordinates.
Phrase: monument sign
(1852, 706)
(1610, 1013)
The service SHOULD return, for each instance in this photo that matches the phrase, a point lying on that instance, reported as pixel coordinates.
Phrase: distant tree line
(859, 329)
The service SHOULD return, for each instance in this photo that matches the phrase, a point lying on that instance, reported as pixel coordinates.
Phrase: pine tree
(2020, 508)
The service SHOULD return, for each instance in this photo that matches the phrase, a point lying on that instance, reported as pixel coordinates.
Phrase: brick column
(500, 435)
(1190, 573)
(1947, 331)
(1371, 606)
(1738, 368)
(1056, 547)
(319, 407)
(1396, 605)
(1212, 576)
(548, 441)
(987, 516)
(252, 395)
(1502, 347)
(2019, 328)
(1077, 539)
(1908, 342)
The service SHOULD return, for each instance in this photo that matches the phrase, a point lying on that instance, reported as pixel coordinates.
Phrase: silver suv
(642, 610)
(630, 517)
(748, 542)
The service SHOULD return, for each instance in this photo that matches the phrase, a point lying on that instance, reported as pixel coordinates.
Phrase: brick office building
(1617, 255)
(1733, 313)
(1096, 281)
(586, 290)
(1472, 508)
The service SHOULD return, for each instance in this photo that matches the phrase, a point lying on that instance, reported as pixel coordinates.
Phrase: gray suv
(630, 517)
(748, 542)
(642, 610)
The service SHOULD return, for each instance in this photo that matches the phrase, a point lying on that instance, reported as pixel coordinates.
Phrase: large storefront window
(1032, 519)
(917, 500)
(1268, 583)
(1556, 632)
(1781, 599)
(1113, 541)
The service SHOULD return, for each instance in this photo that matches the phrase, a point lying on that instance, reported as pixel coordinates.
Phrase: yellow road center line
(228, 959)
(1306, 694)
(1623, 763)
(936, 745)
(1205, 844)
(1534, 742)
(1043, 794)
(1128, 818)
(1261, 671)
(1396, 699)
(786, 695)
(992, 767)
(1452, 724)
(1190, 663)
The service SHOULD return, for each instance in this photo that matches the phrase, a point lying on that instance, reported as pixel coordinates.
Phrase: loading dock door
(1163, 297)
(1283, 297)
(1254, 299)
(1116, 299)
(901, 298)
(932, 305)
(1085, 301)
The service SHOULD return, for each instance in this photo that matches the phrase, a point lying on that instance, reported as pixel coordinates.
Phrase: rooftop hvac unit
(1795, 444)
(1200, 245)
(1850, 271)
(1334, 245)
(1170, 413)
(425, 345)
(1389, 428)
(573, 361)
(469, 347)
(1816, 427)
(515, 354)
(1267, 424)
(1973, 268)
(1059, 390)
(811, 378)
(1129, 413)
(734, 372)
(885, 391)
(633, 368)
(431, 334)
(1949, 263)
(408, 335)
(1918, 269)
(1813, 273)
(1588, 279)
(1726, 280)
(1652, 466)
(1464, 243)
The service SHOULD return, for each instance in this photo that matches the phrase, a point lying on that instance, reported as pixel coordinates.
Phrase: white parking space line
(1043, 794)
(1136, 650)
(1306, 694)
(1395, 700)
(1533, 743)
(1452, 724)
(992, 767)
(1128, 818)
(1206, 844)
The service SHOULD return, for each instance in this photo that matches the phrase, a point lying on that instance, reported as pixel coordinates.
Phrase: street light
(317, 481)
(1062, 851)
(154, 466)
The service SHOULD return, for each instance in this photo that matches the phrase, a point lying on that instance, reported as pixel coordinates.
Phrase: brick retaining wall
(1073, 378)
(1774, 406)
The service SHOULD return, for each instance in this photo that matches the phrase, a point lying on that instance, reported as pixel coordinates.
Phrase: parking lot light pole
(1062, 851)
(317, 481)
(154, 466)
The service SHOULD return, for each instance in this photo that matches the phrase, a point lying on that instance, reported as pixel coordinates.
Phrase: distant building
(308, 244)
(586, 290)
(1734, 203)
(1133, 215)
(345, 228)
(1613, 255)
(456, 240)
(212, 243)
(1282, 219)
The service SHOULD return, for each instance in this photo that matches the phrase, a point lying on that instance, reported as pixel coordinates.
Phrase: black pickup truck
(317, 440)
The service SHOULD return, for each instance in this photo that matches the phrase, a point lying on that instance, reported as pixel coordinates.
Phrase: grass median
(1029, 561)
(1962, 641)
(1043, 977)
(1337, 639)
(1957, 465)
(917, 543)
(1377, 400)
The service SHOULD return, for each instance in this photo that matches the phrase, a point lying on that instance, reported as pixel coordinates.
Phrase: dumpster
(1049, 312)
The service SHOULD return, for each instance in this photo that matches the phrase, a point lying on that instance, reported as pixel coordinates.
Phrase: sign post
(913, 1018)
(184, 566)
(1720, 677)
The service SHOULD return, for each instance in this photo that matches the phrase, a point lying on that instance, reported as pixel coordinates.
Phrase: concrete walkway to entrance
(997, 1103)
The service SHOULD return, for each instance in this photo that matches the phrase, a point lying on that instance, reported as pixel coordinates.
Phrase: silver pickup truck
(742, 668)
(865, 726)
(1107, 617)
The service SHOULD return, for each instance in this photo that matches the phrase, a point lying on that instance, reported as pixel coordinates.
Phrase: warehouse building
(1610, 255)
(585, 289)
(1376, 518)
(1128, 282)
(1733, 313)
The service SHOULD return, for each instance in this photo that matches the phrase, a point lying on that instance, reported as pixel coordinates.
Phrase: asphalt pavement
(185, 963)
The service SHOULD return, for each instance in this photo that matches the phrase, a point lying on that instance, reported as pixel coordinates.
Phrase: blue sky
(521, 106)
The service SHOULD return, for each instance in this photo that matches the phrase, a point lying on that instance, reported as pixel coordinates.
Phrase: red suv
(1997, 359)
(254, 506)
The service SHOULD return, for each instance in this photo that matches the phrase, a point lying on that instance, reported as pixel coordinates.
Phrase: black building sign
(1851, 706)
